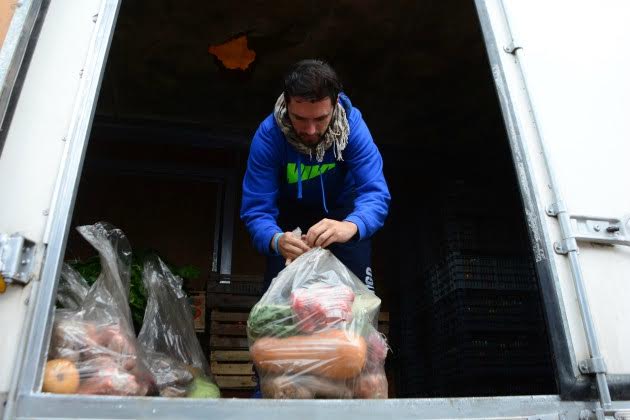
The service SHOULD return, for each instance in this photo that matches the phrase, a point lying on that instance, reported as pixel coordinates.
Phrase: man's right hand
(291, 247)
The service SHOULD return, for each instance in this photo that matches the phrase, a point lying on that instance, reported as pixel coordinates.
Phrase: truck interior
(186, 85)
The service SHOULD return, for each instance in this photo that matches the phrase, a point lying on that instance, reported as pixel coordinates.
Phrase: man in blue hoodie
(313, 165)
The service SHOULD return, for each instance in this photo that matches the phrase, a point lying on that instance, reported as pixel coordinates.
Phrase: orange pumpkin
(61, 377)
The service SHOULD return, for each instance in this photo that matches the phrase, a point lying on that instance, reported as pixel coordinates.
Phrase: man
(313, 165)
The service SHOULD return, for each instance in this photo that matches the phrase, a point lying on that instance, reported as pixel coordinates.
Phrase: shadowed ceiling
(416, 69)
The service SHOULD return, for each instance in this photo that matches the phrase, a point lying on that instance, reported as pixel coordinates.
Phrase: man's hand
(291, 247)
(327, 232)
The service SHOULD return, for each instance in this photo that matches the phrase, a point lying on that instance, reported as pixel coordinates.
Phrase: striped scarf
(336, 135)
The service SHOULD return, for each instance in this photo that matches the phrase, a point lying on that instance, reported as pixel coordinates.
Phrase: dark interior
(171, 116)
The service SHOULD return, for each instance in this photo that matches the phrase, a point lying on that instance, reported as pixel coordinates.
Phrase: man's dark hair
(313, 80)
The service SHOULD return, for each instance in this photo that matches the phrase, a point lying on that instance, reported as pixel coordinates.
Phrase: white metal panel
(576, 61)
(34, 148)
(510, 85)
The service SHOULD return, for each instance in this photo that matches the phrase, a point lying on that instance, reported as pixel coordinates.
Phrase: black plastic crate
(465, 271)
(484, 233)
(473, 236)
(486, 310)
(458, 353)
(472, 195)
(472, 213)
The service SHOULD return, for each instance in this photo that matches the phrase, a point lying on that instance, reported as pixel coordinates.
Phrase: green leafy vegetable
(271, 321)
(90, 269)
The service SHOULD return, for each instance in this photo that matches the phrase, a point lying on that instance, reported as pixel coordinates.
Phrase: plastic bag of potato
(93, 348)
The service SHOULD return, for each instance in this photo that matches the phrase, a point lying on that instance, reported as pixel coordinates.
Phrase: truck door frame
(28, 401)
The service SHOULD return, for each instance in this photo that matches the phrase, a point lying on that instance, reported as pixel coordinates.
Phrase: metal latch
(512, 47)
(18, 258)
(601, 230)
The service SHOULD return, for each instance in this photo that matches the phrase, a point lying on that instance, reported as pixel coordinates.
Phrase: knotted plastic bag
(313, 333)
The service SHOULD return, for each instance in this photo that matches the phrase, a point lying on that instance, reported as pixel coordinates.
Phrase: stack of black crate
(485, 323)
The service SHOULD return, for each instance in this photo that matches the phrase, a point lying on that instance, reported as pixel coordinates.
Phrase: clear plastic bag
(72, 288)
(313, 333)
(93, 349)
(168, 337)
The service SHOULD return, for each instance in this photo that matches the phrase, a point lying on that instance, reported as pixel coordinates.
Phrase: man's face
(310, 119)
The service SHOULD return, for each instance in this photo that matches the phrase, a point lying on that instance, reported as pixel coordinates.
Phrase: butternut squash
(333, 354)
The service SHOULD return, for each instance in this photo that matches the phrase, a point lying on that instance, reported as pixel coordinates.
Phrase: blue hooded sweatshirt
(281, 184)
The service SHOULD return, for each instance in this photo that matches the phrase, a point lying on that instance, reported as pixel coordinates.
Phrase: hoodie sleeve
(259, 209)
(371, 204)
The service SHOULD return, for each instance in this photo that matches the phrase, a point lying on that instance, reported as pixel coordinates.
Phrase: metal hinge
(566, 246)
(554, 209)
(593, 366)
(19, 258)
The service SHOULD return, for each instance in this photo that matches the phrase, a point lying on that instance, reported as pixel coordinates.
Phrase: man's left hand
(328, 231)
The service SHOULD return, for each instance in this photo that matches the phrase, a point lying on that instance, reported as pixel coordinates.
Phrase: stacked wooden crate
(230, 361)
(230, 298)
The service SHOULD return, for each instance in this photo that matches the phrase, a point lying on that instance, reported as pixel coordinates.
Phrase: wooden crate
(230, 362)
(230, 301)
(228, 330)
(232, 369)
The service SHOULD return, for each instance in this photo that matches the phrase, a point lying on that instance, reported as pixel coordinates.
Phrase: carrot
(333, 354)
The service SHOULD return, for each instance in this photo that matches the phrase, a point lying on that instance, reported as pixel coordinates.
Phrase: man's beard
(311, 140)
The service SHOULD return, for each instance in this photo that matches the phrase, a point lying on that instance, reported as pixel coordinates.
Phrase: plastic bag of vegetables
(93, 349)
(168, 337)
(72, 288)
(313, 333)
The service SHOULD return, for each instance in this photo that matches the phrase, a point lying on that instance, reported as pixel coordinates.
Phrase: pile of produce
(313, 335)
(168, 337)
(93, 348)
